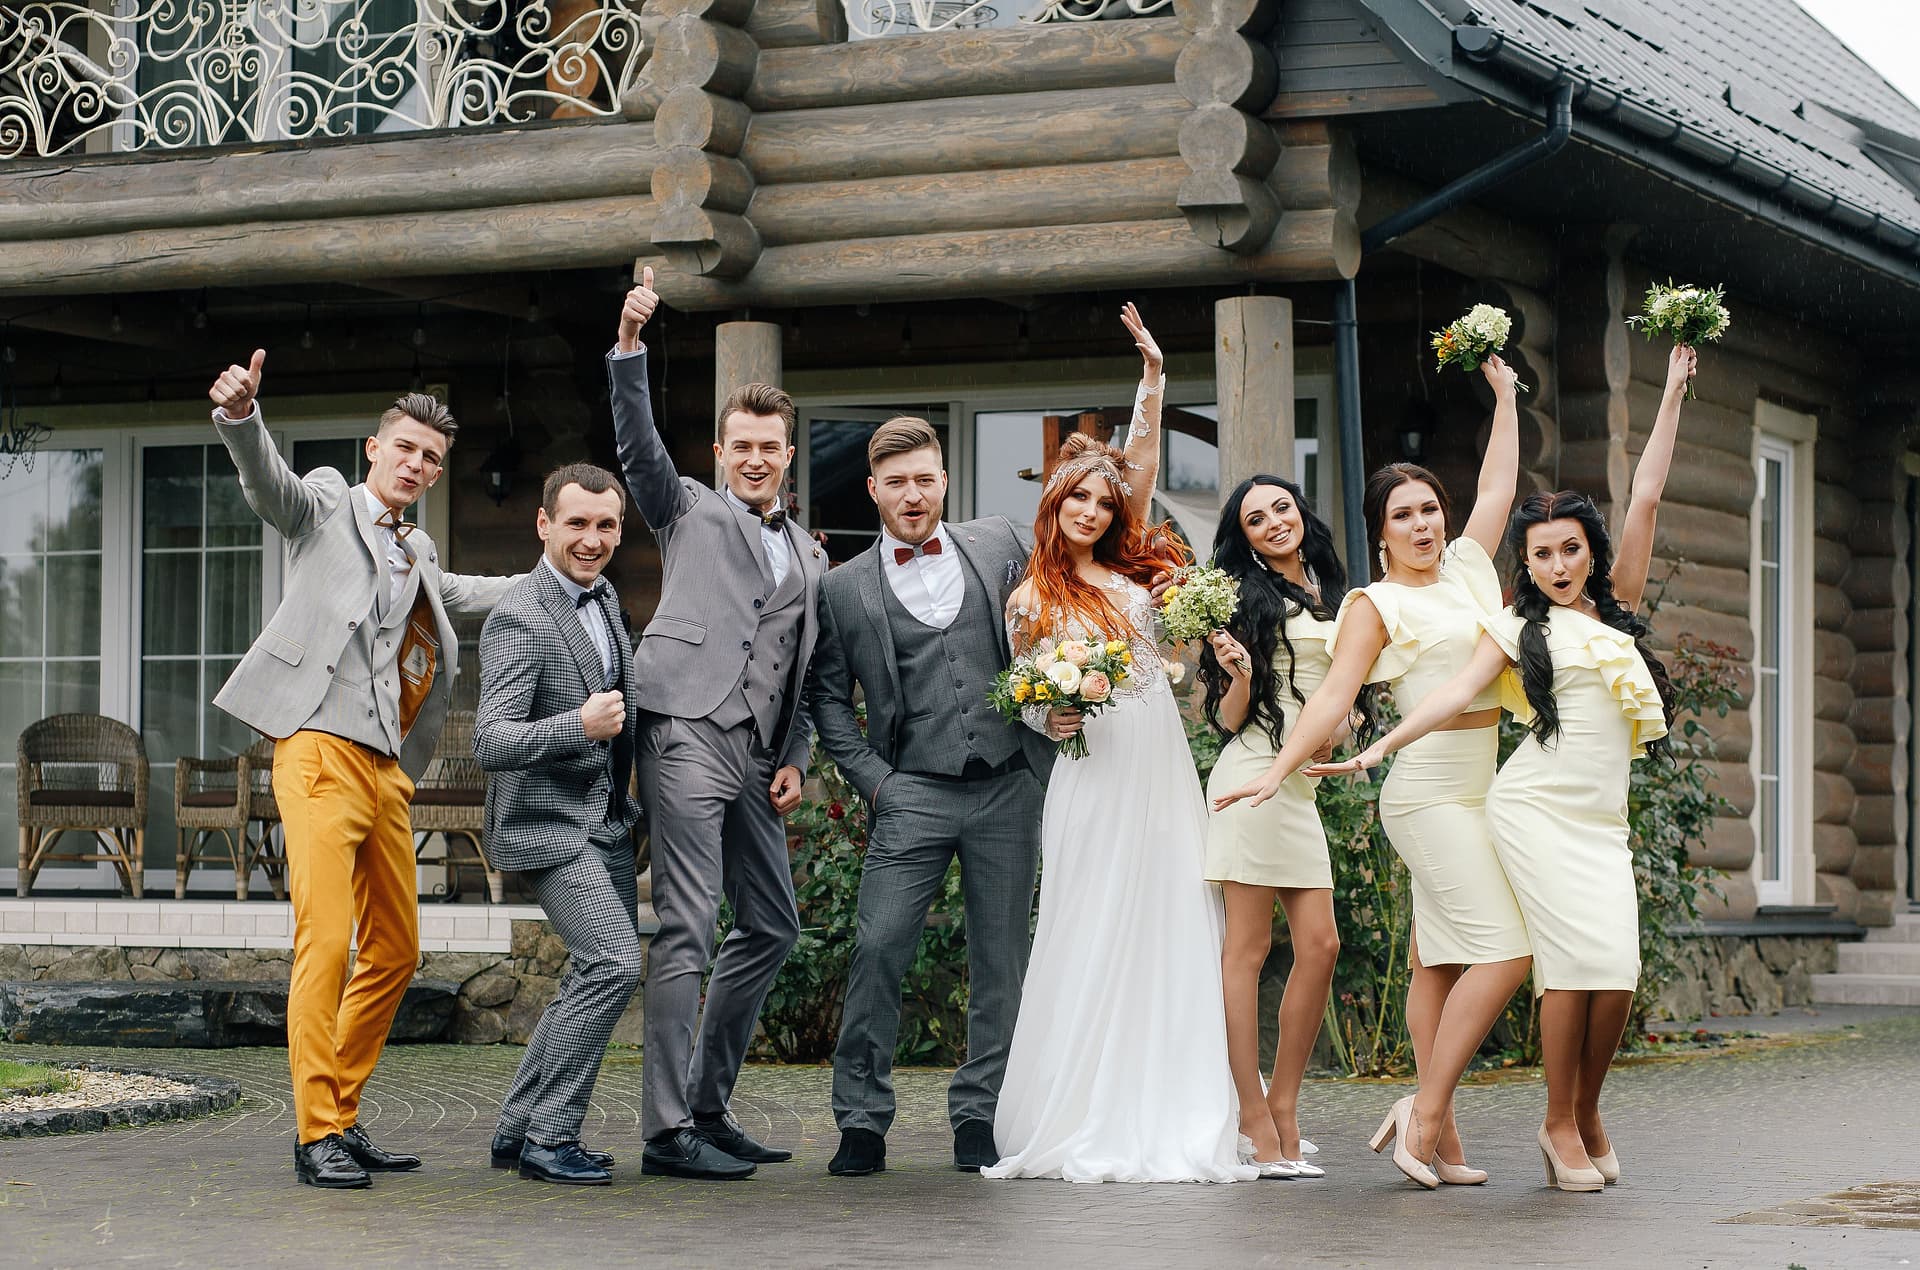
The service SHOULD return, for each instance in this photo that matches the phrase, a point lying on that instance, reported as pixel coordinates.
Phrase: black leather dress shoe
(684, 1153)
(326, 1163)
(973, 1147)
(565, 1164)
(727, 1134)
(372, 1158)
(862, 1151)
(506, 1153)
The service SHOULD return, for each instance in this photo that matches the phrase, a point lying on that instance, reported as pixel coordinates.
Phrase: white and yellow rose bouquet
(1685, 314)
(1468, 341)
(1077, 673)
(1200, 600)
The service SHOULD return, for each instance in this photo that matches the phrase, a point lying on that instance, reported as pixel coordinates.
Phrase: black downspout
(1346, 331)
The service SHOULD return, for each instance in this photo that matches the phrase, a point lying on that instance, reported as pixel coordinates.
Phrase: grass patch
(31, 1078)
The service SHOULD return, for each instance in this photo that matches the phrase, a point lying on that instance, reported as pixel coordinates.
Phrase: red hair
(1133, 550)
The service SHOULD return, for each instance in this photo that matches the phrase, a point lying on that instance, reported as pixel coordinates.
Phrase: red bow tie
(931, 547)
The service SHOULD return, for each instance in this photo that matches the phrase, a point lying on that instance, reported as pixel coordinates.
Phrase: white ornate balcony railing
(867, 18)
(162, 74)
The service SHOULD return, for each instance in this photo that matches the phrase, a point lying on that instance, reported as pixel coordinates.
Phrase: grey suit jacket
(550, 782)
(336, 562)
(713, 576)
(856, 646)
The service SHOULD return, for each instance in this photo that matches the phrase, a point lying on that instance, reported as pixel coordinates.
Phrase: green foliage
(31, 1078)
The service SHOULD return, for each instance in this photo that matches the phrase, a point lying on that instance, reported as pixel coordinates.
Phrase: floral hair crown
(1091, 463)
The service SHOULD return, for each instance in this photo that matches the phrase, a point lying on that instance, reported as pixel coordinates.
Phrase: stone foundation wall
(1746, 974)
(501, 994)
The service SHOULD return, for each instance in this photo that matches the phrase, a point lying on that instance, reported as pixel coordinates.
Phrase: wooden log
(1316, 173)
(965, 134)
(1872, 867)
(1833, 848)
(1833, 746)
(1876, 719)
(1832, 654)
(1736, 900)
(1717, 588)
(1733, 782)
(1877, 588)
(1220, 65)
(792, 24)
(728, 12)
(700, 120)
(1703, 476)
(1082, 193)
(697, 240)
(1830, 561)
(1230, 140)
(1833, 700)
(1871, 630)
(697, 179)
(1727, 844)
(582, 233)
(1225, 210)
(359, 178)
(1025, 261)
(1831, 607)
(691, 51)
(1255, 17)
(1685, 532)
(1674, 620)
(1732, 735)
(1832, 798)
(1468, 240)
(1253, 373)
(1875, 816)
(1832, 888)
(959, 64)
(1872, 769)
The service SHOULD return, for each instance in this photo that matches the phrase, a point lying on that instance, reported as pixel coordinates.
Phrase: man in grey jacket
(555, 727)
(917, 622)
(351, 678)
(723, 746)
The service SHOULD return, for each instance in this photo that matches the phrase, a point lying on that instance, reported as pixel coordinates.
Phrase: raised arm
(1362, 636)
(1439, 706)
(651, 477)
(1500, 466)
(505, 735)
(1635, 551)
(1143, 435)
(277, 496)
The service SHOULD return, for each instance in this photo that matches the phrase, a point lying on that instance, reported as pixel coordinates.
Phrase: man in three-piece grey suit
(916, 621)
(350, 677)
(723, 746)
(555, 727)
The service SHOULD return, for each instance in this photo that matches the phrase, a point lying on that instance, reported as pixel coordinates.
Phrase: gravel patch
(102, 1097)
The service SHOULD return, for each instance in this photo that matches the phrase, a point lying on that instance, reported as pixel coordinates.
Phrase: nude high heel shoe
(1457, 1174)
(1608, 1165)
(1394, 1129)
(1563, 1177)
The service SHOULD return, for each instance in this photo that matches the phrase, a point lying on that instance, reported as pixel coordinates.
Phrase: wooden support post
(744, 353)
(1253, 375)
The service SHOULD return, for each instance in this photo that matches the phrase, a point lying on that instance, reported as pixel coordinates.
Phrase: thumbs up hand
(639, 306)
(238, 385)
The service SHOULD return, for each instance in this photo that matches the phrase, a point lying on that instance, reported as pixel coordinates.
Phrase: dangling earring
(1383, 559)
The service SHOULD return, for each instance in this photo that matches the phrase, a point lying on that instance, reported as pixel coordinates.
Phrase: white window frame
(1785, 437)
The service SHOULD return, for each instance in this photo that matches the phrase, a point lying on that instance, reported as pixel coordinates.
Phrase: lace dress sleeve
(1020, 639)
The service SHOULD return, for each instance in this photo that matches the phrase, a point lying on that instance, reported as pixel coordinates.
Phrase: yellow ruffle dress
(1433, 804)
(1281, 842)
(1558, 812)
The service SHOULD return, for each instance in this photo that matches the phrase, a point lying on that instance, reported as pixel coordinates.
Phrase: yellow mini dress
(1281, 842)
(1558, 812)
(1433, 804)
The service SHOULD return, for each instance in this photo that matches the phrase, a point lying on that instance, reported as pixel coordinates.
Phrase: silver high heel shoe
(1394, 1129)
(1281, 1168)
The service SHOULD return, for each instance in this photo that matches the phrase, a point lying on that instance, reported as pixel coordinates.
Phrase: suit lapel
(871, 575)
(566, 616)
(982, 555)
(749, 525)
(369, 532)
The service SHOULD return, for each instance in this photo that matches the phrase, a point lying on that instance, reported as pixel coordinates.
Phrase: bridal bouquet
(1079, 673)
(1468, 341)
(1686, 314)
(1200, 600)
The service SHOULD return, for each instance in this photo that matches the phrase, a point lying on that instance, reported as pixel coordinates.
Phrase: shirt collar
(375, 507)
(888, 543)
(574, 589)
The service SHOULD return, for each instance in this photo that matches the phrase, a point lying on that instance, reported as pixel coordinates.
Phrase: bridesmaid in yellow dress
(1414, 630)
(1259, 672)
(1573, 665)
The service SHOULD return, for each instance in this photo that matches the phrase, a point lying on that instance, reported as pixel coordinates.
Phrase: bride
(1118, 1071)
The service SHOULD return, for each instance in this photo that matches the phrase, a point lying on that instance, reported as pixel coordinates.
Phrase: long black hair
(1260, 622)
(1373, 504)
(1532, 604)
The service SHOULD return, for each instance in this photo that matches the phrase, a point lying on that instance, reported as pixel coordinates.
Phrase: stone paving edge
(209, 1095)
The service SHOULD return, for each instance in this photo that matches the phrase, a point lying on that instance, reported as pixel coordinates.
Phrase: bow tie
(931, 547)
(598, 591)
(390, 519)
(774, 519)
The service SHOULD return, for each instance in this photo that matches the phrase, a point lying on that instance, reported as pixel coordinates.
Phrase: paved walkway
(1702, 1142)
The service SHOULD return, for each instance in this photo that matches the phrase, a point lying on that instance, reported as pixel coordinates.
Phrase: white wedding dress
(1118, 1071)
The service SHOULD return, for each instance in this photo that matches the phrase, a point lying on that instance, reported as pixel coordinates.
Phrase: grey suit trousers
(919, 826)
(713, 831)
(592, 901)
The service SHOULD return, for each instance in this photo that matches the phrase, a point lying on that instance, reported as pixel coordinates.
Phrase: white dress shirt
(592, 616)
(774, 543)
(399, 559)
(931, 587)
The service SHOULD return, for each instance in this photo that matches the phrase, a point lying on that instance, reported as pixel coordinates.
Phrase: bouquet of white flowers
(1078, 673)
(1200, 600)
(1468, 341)
(1687, 315)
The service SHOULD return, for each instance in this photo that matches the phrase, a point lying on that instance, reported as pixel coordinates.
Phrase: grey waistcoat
(944, 680)
(775, 646)
(363, 701)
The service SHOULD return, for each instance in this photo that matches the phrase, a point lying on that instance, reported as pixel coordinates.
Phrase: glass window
(1773, 752)
(50, 570)
(834, 451)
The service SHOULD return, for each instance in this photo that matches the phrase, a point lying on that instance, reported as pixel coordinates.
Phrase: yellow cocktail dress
(1433, 804)
(1281, 842)
(1558, 812)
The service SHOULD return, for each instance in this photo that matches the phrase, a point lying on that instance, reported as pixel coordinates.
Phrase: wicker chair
(450, 799)
(212, 800)
(82, 773)
(266, 846)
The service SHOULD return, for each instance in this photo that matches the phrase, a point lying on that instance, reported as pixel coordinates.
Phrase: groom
(916, 621)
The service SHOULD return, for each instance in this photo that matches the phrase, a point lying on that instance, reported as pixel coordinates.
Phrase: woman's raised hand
(1681, 364)
(1150, 353)
(1501, 376)
(1232, 656)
